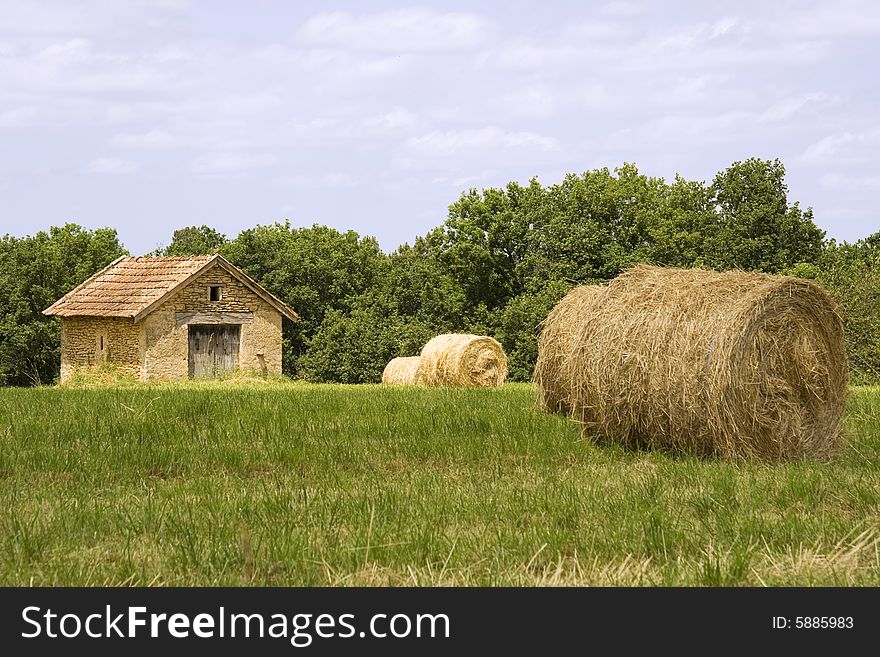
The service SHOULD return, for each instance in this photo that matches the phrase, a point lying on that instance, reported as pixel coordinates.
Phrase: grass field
(291, 484)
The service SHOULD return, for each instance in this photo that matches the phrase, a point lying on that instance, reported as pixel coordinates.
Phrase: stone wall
(166, 346)
(81, 344)
(166, 353)
(261, 341)
(234, 296)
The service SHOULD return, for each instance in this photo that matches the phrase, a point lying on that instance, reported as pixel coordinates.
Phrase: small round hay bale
(401, 370)
(556, 345)
(462, 360)
(733, 364)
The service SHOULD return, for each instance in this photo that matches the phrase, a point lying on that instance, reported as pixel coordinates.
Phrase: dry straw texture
(461, 360)
(732, 364)
(556, 345)
(401, 371)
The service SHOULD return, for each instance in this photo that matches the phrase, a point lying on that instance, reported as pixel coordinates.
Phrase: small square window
(214, 293)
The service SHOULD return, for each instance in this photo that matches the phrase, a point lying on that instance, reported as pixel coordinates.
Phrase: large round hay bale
(401, 370)
(556, 345)
(462, 360)
(730, 364)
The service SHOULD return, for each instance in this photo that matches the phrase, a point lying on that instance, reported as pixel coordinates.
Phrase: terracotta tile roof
(133, 286)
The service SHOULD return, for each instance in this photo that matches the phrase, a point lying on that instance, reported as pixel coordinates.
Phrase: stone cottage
(171, 318)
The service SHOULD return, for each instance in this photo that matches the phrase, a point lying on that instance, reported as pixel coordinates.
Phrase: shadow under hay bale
(733, 364)
(555, 346)
(401, 371)
(462, 360)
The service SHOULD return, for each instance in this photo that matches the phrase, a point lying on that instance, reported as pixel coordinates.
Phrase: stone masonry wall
(81, 344)
(166, 353)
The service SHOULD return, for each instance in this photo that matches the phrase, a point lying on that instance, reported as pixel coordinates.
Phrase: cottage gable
(167, 327)
(169, 318)
(134, 286)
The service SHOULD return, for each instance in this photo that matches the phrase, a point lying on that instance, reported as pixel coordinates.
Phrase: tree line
(497, 265)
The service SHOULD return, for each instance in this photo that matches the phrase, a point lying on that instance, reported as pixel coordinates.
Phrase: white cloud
(174, 55)
(325, 180)
(111, 166)
(337, 62)
(708, 128)
(532, 101)
(623, 9)
(842, 147)
(842, 182)
(153, 139)
(595, 30)
(213, 164)
(174, 5)
(840, 19)
(469, 181)
(821, 150)
(84, 17)
(465, 96)
(458, 153)
(350, 128)
(531, 56)
(68, 52)
(690, 90)
(18, 117)
(321, 127)
(404, 30)
(399, 118)
(77, 69)
(721, 48)
(452, 142)
(788, 107)
(61, 18)
(722, 27)
(701, 33)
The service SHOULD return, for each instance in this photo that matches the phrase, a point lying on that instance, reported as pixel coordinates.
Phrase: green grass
(270, 483)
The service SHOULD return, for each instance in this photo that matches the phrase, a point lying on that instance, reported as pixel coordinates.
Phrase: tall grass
(273, 483)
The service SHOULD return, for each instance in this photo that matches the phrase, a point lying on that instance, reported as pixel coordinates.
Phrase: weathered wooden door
(213, 349)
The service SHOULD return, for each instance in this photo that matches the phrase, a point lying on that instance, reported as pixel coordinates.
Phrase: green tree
(511, 250)
(594, 225)
(413, 301)
(34, 273)
(851, 273)
(757, 228)
(681, 226)
(484, 241)
(355, 347)
(496, 265)
(194, 240)
(418, 285)
(519, 324)
(314, 270)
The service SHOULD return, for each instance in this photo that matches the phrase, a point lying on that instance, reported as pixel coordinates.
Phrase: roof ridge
(174, 258)
(134, 286)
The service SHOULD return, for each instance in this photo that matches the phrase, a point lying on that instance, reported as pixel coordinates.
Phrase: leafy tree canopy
(497, 264)
(194, 240)
(35, 272)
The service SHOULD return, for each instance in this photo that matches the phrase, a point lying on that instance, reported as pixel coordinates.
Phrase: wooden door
(213, 349)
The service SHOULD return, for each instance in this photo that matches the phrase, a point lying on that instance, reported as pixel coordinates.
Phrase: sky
(148, 116)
